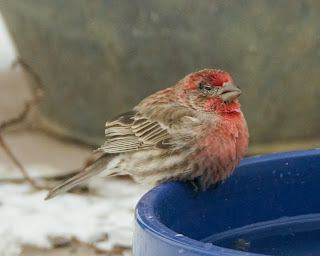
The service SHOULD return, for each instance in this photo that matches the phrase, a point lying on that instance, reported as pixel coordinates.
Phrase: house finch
(192, 130)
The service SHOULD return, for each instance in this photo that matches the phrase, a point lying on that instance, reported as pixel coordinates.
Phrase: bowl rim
(146, 218)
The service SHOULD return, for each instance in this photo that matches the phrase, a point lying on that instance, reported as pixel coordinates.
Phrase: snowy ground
(105, 219)
(103, 216)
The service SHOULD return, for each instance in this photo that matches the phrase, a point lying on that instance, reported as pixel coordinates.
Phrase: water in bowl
(287, 236)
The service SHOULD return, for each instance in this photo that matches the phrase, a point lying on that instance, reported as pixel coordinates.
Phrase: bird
(194, 130)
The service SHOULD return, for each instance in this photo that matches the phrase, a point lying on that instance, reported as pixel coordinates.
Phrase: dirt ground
(64, 251)
(69, 250)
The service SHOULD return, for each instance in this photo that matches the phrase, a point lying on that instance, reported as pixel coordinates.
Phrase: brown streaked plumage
(194, 129)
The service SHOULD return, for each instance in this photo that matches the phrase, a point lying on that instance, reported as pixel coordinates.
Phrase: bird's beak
(229, 92)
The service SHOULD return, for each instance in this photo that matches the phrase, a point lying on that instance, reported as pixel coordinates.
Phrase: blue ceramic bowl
(269, 206)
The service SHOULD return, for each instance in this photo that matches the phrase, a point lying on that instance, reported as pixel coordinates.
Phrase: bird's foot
(194, 186)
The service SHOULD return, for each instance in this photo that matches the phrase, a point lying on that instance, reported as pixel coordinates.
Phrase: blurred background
(100, 58)
(95, 59)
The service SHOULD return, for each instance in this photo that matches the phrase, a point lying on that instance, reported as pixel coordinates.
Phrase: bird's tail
(98, 166)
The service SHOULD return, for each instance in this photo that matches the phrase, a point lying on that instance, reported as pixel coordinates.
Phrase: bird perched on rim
(192, 130)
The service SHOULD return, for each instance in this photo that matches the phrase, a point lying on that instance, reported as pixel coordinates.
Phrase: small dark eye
(207, 87)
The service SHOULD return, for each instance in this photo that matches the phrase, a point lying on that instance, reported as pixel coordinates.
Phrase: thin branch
(19, 119)
(19, 165)
(22, 116)
(26, 67)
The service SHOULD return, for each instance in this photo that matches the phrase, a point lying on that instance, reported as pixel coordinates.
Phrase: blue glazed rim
(146, 218)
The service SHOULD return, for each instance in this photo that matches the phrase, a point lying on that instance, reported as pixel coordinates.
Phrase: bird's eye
(207, 87)
(204, 86)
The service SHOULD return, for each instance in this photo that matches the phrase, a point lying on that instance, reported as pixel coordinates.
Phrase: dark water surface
(294, 236)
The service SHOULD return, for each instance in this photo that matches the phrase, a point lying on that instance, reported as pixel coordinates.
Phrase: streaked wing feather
(150, 132)
(132, 131)
(146, 129)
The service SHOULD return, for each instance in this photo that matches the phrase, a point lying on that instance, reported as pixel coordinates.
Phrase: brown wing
(132, 131)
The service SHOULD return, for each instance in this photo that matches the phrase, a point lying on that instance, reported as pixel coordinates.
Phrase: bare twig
(19, 165)
(22, 116)
(36, 79)
(19, 119)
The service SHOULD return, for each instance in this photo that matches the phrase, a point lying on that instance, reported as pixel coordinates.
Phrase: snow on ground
(105, 219)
